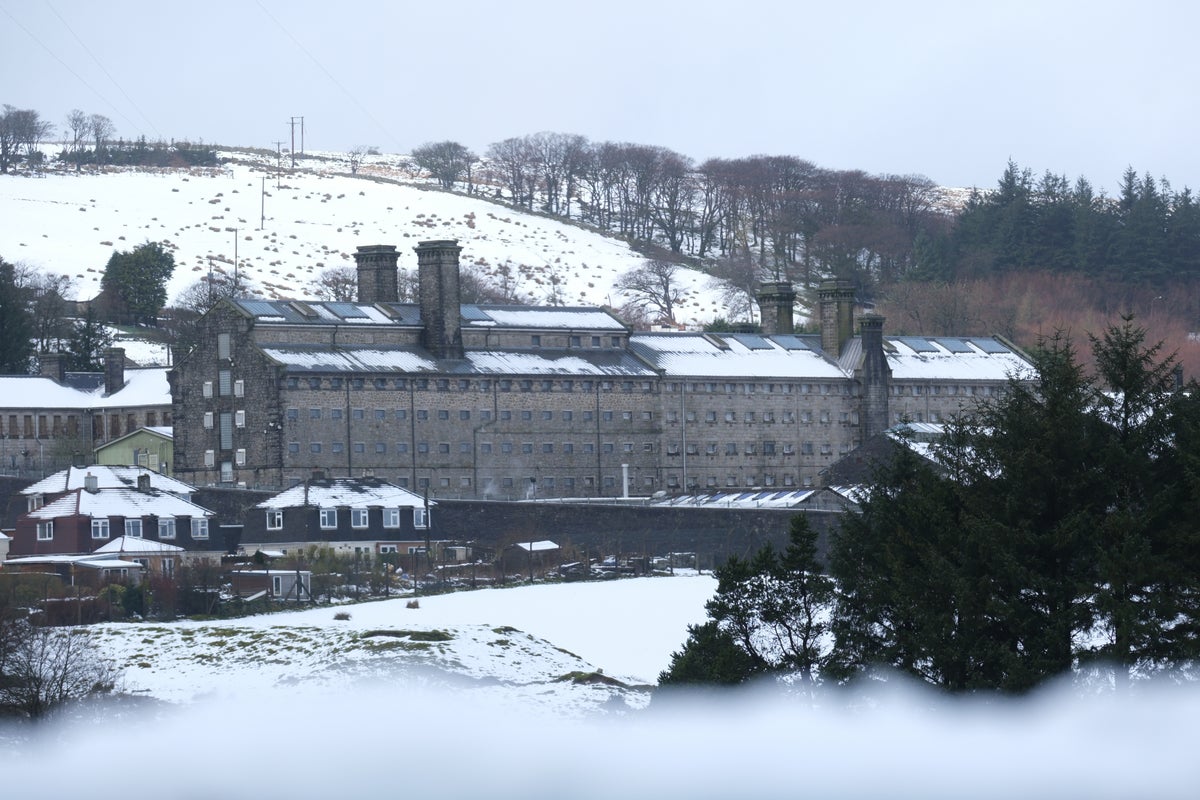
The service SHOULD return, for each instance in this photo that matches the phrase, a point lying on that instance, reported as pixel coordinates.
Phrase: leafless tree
(737, 278)
(51, 326)
(338, 284)
(448, 162)
(357, 154)
(20, 129)
(102, 129)
(653, 286)
(44, 668)
(516, 166)
(78, 129)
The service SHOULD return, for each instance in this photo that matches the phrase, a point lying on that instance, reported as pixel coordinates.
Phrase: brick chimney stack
(377, 278)
(53, 366)
(776, 303)
(114, 370)
(875, 377)
(836, 300)
(441, 298)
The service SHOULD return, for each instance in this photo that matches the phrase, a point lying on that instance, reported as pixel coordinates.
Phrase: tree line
(1054, 534)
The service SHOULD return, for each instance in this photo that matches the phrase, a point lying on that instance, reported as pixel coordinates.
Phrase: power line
(113, 80)
(366, 111)
(67, 67)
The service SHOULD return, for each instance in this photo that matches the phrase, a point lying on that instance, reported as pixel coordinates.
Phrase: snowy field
(288, 228)
(301, 705)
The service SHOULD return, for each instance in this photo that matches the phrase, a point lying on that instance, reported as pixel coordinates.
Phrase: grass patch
(505, 629)
(416, 636)
(590, 678)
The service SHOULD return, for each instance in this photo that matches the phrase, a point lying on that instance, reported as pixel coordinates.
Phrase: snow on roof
(162, 430)
(87, 560)
(107, 477)
(123, 502)
(588, 318)
(350, 492)
(750, 498)
(488, 362)
(143, 387)
(311, 312)
(732, 356)
(538, 546)
(945, 358)
(137, 546)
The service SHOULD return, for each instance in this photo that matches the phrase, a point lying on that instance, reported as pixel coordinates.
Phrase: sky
(949, 90)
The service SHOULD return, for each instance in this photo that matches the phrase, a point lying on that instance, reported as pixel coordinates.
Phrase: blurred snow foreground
(497, 693)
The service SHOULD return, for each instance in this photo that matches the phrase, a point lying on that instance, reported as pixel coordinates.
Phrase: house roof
(143, 387)
(107, 477)
(135, 546)
(538, 546)
(128, 503)
(947, 358)
(158, 430)
(733, 355)
(344, 492)
(309, 312)
(751, 498)
(89, 560)
(475, 362)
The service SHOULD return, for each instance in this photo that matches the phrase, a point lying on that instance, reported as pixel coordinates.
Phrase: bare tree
(737, 279)
(448, 162)
(20, 129)
(44, 668)
(339, 284)
(102, 129)
(653, 286)
(516, 163)
(356, 157)
(50, 310)
(78, 129)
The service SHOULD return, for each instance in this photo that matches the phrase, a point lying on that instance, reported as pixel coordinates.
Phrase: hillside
(315, 217)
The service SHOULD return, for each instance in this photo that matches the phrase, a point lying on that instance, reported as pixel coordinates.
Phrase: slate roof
(345, 492)
(547, 361)
(143, 387)
(107, 477)
(119, 503)
(305, 312)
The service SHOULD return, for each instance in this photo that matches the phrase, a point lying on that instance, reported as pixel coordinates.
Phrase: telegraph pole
(235, 261)
(278, 163)
(262, 211)
(292, 122)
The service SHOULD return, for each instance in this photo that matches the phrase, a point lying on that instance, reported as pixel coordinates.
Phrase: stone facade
(515, 402)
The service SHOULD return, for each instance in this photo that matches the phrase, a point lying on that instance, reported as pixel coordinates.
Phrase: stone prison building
(512, 402)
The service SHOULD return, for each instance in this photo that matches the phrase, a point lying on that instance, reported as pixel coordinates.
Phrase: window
(314, 447)
(224, 383)
(133, 528)
(547, 415)
(239, 418)
(45, 531)
(199, 528)
(361, 447)
(358, 518)
(506, 447)
(485, 448)
(730, 449)
(526, 416)
(239, 388)
(568, 447)
(536, 340)
(547, 447)
(328, 518)
(391, 518)
(527, 448)
(208, 420)
(444, 448)
(275, 520)
(226, 432)
(464, 447)
(443, 414)
(166, 528)
(358, 413)
(464, 415)
(226, 472)
(293, 414)
(293, 448)
(420, 517)
(223, 345)
(208, 389)
(210, 457)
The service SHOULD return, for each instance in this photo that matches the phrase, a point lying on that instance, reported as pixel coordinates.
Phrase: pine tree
(16, 324)
(87, 343)
(134, 285)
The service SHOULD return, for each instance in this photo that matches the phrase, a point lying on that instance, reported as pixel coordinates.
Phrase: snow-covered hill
(285, 227)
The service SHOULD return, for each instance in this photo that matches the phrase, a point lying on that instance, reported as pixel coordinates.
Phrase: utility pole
(262, 211)
(292, 122)
(235, 262)
(278, 162)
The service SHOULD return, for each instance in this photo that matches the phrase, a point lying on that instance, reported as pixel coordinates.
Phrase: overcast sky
(950, 90)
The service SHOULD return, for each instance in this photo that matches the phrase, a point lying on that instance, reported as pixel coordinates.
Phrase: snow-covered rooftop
(751, 498)
(143, 387)
(312, 312)
(488, 362)
(122, 502)
(107, 477)
(345, 492)
(955, 359)
(133, 545)
(733, 355)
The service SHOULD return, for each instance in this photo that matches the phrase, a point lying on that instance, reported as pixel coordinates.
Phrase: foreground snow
(301, 705)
